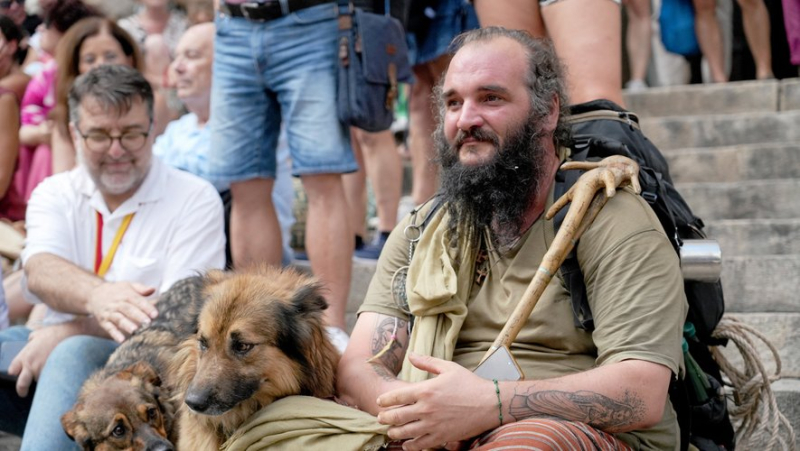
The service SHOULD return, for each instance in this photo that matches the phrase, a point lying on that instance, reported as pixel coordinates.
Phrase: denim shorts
(451, 18)
(268, 72)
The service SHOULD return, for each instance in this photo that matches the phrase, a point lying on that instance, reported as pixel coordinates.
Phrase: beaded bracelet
(499, 402)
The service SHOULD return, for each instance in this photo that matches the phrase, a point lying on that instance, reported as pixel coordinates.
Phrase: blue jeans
(266, 73)
(67, 367)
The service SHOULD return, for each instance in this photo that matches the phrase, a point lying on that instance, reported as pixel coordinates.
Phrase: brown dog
(125, 405)
(260, 337)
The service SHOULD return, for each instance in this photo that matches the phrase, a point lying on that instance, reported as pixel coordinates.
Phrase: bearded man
(103, 241)
(501, 137)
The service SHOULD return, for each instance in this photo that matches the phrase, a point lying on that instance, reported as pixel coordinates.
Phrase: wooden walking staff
(587, 197)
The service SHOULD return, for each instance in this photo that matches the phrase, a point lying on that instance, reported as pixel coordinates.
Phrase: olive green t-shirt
(634, 287)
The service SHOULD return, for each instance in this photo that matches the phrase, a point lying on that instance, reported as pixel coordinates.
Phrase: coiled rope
(755, 413)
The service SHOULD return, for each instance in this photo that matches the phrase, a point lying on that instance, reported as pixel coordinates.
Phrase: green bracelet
(499, 402)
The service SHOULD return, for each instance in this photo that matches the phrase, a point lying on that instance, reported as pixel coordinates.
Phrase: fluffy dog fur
(125, 405)
(260, 337)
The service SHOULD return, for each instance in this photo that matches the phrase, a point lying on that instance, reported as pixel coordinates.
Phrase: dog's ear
(308, 299)
(216, 276)
(143, 371)
(74, 427)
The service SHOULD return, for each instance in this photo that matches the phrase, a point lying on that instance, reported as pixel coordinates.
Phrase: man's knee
(81, 351)
(548, 434)
(323, 189)
(252, 193)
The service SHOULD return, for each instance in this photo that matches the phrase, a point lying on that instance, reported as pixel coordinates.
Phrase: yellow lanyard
(101, 263)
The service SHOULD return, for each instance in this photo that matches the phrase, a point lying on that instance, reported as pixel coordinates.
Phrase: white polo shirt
(177, 229)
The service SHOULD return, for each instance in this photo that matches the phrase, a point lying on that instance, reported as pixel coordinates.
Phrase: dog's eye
(118, 431)
(152, 413)
(202, 343)
(241, 348)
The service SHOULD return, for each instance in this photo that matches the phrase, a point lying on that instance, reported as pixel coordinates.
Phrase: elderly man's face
(117, 167)
(191, 68)
(485, 97)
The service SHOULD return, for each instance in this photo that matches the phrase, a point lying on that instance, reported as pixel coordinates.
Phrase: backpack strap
(570, 269)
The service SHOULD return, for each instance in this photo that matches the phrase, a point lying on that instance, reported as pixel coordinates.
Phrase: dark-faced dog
(129, 404)
(260, 337)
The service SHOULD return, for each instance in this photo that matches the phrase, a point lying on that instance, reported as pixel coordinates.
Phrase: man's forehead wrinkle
(97, 116)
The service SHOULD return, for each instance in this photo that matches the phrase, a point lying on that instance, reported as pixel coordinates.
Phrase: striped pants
(543, 434)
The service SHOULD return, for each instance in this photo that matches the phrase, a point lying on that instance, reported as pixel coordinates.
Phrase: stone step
(734, 163)
(764, 199)
(741, 237)
(735, 97)
(9, 442)
(764, 283)
(787, 394)
(789, 95)
(680, 132)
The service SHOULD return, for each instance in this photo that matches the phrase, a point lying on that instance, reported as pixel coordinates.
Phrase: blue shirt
(186, 145)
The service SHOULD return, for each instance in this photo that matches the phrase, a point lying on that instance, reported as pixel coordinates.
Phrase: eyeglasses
(100, 142)
(5, 4)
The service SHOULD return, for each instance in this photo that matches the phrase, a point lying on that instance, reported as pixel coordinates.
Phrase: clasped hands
(440, 412)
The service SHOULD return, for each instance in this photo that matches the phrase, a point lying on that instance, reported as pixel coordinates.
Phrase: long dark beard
(495, 194)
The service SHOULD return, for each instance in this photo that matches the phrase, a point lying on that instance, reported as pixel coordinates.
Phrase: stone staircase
(734, 154)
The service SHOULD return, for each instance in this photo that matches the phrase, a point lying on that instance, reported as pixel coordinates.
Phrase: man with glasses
(103, 241)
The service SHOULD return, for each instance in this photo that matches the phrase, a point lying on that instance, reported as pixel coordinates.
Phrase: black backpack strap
(570, 269)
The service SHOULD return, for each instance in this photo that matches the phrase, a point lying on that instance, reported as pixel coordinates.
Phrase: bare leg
(329, 241)
(513, 14)
(355, 189)
(255, 232)
(755, 19)
(709, 37)
(592, 56)
(385, 174)
(638, 39)
(425, 175)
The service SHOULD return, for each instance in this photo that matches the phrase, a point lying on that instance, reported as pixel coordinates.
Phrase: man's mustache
(478, 134)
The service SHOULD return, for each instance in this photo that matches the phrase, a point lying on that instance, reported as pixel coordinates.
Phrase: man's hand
(455, 405)
(28, 364)
(121, 307)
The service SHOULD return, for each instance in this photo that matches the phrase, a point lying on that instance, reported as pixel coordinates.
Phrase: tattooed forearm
(588, 407)
(386, 335)
(383, 372)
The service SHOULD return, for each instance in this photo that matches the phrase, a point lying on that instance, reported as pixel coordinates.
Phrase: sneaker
(372, 250)
(338, 337)
(636, 86)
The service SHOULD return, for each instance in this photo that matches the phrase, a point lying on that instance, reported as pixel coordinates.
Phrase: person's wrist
(95, 298)
(499, 399)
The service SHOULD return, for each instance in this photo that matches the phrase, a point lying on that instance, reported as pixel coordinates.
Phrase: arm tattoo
(383, 372)
(585, 406)
(390, 362)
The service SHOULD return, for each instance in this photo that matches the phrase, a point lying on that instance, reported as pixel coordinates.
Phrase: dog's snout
(199, 401)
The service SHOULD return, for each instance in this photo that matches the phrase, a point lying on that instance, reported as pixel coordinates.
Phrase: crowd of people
(181, 126)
